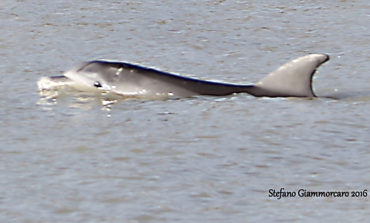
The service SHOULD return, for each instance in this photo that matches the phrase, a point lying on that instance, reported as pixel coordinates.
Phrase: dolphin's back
(134, 78)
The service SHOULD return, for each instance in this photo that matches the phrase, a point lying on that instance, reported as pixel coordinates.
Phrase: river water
(81, 158)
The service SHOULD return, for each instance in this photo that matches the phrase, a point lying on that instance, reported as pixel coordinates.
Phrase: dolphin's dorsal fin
(293, 79)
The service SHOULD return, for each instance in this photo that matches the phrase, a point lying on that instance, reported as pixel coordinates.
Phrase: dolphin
(293, 79)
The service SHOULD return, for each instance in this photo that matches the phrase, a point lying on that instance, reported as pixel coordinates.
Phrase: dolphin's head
(94, 74)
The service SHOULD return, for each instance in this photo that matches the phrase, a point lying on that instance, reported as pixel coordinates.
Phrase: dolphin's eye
(97, 84)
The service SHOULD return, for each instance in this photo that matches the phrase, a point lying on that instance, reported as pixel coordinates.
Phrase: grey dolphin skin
(293, 79)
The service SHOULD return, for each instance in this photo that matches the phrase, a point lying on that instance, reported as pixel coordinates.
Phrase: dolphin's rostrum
(293, 79)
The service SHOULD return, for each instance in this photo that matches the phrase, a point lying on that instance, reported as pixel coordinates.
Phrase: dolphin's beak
(53, 82)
